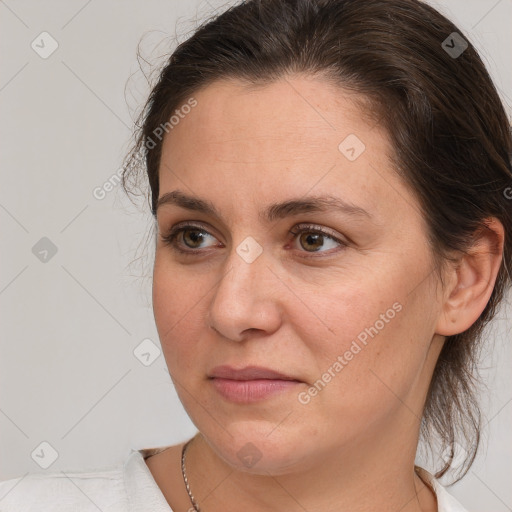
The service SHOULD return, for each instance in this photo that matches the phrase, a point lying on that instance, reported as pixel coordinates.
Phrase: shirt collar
(142, 491)
(445, 501)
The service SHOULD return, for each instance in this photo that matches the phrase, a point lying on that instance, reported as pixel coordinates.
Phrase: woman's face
(350, 314)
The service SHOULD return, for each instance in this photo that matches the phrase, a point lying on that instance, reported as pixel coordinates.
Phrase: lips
(248, 373)
(250, 384)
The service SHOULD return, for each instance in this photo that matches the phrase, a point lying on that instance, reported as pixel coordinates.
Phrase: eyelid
(191, 223)
(305, 226)
(200, 226)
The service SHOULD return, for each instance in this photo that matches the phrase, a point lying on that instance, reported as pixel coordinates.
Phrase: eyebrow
(274, 211)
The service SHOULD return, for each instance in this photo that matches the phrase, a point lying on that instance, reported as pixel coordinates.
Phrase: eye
(191, 236)
(312, 237)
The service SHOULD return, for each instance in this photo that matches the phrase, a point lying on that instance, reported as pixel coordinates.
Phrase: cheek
(178, 307)
(368, 339)
(348, 309)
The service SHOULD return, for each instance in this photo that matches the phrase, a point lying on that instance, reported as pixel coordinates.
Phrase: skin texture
(352, 446)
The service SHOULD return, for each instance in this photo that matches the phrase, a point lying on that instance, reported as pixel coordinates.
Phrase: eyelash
(170, 238)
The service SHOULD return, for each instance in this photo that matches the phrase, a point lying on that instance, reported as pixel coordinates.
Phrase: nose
(246, 299)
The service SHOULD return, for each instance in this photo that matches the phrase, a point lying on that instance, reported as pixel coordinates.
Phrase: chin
(259, 448)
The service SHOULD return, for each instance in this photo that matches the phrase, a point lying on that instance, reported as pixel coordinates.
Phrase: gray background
(69, 326)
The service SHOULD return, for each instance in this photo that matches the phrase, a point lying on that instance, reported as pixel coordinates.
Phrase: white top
(126, 487)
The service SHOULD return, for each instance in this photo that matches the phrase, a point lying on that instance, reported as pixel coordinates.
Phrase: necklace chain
(184, 473)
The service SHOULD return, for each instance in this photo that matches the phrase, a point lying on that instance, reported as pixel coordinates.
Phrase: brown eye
(313, 239)
(190, 240)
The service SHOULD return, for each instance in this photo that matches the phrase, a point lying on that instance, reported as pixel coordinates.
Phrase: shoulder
(80, 491)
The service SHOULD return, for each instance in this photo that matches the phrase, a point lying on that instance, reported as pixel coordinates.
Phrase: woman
(330, 182)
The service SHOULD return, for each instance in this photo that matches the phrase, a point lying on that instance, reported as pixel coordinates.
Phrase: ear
(472, 280)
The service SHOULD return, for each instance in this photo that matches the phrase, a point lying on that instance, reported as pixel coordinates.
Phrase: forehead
(286, 137)
(294, 108)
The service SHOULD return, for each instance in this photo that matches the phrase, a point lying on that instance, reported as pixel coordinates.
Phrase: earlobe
(472, 281)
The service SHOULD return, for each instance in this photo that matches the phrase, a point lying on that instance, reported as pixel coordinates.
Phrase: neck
(373, 474)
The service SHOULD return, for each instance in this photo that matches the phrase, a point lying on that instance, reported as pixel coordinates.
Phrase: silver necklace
(183, 472)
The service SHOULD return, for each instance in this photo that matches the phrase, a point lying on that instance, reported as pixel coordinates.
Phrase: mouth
(248, 373)
(250, 384)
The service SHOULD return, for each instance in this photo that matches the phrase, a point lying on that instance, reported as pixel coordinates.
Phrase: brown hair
(450, 134)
